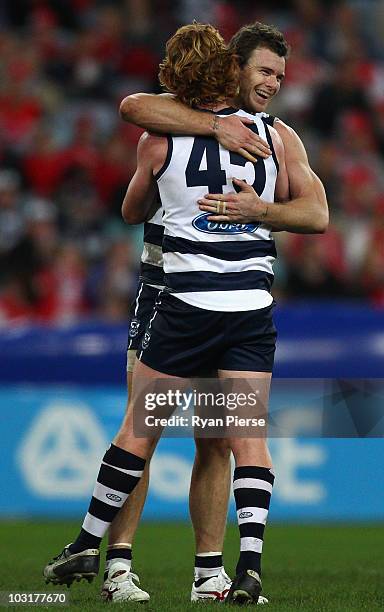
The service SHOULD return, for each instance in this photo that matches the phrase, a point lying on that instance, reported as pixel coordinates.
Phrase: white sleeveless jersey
(215, 266)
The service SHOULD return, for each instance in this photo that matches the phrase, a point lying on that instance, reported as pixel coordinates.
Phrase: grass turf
(314, 568)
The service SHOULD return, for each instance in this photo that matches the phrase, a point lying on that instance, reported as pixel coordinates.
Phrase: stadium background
(68, 265)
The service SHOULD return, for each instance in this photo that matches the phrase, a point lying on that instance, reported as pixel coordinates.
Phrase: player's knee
(212, 447)
(250, 451)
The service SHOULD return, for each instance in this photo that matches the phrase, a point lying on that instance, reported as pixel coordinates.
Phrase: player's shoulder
(255, 117)
(152, 146)
(243, 113)
(268, 119)
(150, 139)
(269, 124)
(285, 130)
(293, 145)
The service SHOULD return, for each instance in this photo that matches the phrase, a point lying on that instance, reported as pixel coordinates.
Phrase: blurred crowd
(66, 157)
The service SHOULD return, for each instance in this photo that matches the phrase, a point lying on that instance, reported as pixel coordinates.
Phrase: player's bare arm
(140, 199)
(165, 114)
(306, 213)
(306, 189)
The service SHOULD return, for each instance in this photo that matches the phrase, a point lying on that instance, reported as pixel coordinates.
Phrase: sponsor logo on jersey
(202, 224)
(245, 515)
(113, 497)
(134, 328)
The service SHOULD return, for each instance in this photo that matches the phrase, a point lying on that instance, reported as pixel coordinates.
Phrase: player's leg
(188, 354)
(124, 526)
(209, 493)
(208, 505)
(248, 362)
(119, 582)
(120, 471)
(252, 486)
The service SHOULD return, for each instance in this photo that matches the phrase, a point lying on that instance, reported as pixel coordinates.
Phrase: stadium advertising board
(53, 437)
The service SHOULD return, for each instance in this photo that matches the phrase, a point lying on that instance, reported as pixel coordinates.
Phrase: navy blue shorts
(141, 311)
(185, 341)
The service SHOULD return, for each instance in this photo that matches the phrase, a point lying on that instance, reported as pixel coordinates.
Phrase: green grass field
(305, 567)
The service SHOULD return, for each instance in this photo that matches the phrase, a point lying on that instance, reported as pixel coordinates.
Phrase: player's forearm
(306, 212)
(302, 216)
(164, 114)
(139, 205)
(134, 214)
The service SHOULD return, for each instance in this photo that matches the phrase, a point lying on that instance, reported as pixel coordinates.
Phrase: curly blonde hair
(198, 67)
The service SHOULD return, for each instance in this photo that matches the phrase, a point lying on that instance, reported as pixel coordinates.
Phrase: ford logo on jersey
(202, 224)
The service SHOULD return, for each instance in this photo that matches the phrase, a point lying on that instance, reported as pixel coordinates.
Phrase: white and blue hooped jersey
(215, 266)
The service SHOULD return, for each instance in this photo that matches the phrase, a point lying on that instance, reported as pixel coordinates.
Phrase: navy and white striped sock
(119, 473)
(252, 487)
(121, 552)
(207, 565)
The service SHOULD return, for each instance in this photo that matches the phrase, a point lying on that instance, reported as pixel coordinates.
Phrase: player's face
(261, 79)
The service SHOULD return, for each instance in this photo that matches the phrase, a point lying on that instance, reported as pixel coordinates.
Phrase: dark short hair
(255, 35)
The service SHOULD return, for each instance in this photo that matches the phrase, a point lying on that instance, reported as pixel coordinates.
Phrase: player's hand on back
(242, 207)
(233, 134)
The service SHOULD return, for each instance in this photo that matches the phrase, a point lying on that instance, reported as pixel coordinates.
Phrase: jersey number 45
(214, 177)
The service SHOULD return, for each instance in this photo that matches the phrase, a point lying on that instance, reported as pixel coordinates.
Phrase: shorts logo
(146, 339)
(245, 515)
(113, 497)
(202, 224)
(134, 328)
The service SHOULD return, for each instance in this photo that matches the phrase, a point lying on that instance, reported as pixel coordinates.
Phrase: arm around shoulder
(142, 108)
(164, 114)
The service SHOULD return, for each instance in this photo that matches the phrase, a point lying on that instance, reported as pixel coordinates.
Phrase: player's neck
(238, 103)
